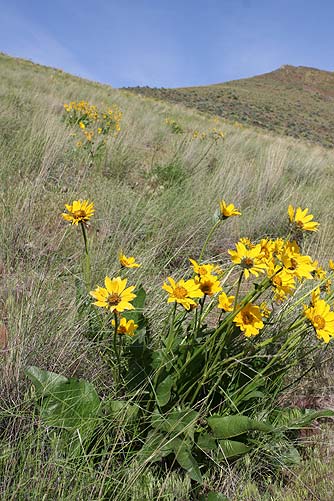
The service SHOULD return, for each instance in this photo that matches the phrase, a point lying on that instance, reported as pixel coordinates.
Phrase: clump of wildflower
(183, 292)
(127, 262)
(301, 219)
(115, 296)
(249, 320)
(126, 326)
(79, 212)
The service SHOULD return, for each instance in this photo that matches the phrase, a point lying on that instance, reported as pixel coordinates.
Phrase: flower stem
(86, 260)
(208, 238)
(116, 350)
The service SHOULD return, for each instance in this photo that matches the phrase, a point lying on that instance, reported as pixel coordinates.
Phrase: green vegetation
(295, 101)
(155, 189)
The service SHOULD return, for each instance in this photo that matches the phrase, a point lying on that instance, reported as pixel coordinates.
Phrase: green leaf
(232, 448)
(206, 442)
(156, 447)
(176, 422)
(65, 403)
(294, 419)
(187, 461)
(164, 391)
(121, 409)
(232, 426)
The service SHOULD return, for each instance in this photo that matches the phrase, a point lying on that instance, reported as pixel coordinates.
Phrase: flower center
(247, 318)
(180, 292)
(293, 264)
(114, 299)
(247, 262)
(121, 329)
(319, 322)
(206, 287)
(202, 270)
(300, 224)
(277, 281)
(79, 214)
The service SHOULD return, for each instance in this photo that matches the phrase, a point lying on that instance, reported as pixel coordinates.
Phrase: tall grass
(155, 190)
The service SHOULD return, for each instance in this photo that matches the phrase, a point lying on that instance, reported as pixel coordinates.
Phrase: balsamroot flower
(114, 296)
(321, 317)
(79, 212)
(251, 260)
(225, 302)
(209, 284)
(228, 210)
(127, 262)
(249, 320)
(183, 292)
(302, 219)
(126, 326)
(202, 269)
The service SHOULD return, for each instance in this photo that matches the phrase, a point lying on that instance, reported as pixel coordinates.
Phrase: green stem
(208, 238)
(86, 260)
(237, 291)
(116, 350)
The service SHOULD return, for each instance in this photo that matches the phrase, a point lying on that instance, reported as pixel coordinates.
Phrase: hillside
(296, 101)
(156, 186)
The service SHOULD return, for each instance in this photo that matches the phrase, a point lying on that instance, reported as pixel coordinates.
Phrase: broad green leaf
(187, 461)
(206, 442)
(156, 447)
(294, 419)
(232, 448)
(164, 391)
(66, 403)
(176, 422)
(232, 426)
(122, 409)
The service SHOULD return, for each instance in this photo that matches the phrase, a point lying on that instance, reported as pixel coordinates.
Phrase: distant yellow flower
(126, 326)
(79, 212)
(114, 296)
(319, 272)
(282, 281)
(82, 125)
(228, 210)
(302, 219)
(202, 269)
(225, 302)
(331, 264)
(265, 312)
(89, 135)
(183, 292)
(99, 130)
(251, 260)
(128, 262)
(209, 284)
(322, 319)
(249, 320)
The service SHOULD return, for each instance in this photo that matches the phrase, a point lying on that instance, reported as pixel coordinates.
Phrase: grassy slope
(295, 101)
(154, 194)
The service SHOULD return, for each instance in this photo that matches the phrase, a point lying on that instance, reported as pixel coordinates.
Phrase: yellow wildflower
(82, 125)
(322, 319)
(126, 326)
(228, 210)
(202, 269)
(283, 282)
(331, 264)
(302, 219)
(249, 320)
(225, 302)
(183, 292)
(209, 284)
(114, 296)
(127, 262)
(295, 263)
(79, 212)
(251, 260)
(89, 135)
(265, 312)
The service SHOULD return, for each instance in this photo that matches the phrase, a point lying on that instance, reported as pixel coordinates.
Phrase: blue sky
(169, 43)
